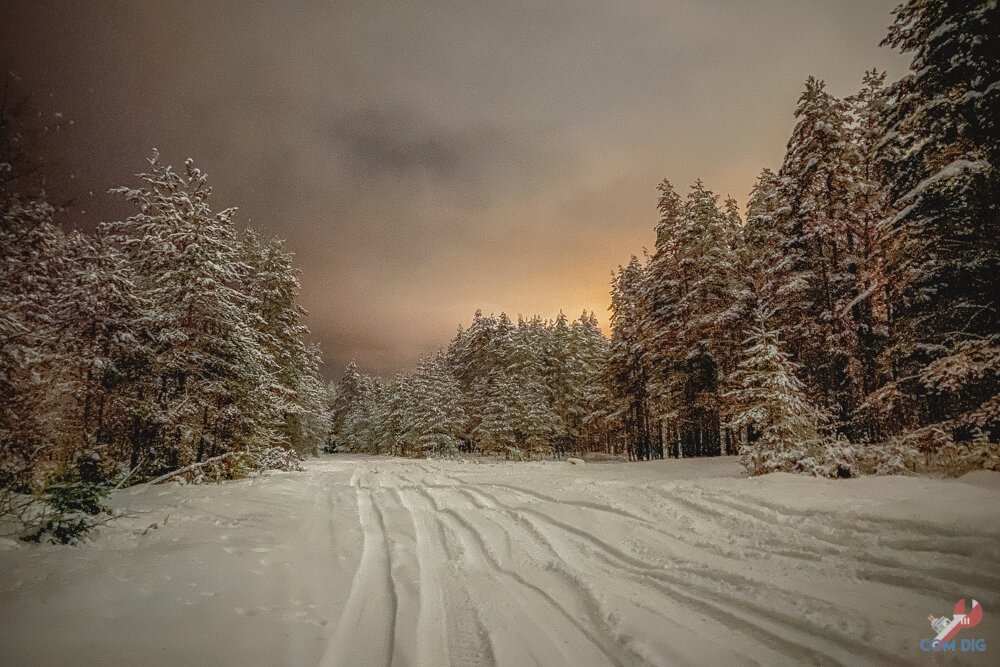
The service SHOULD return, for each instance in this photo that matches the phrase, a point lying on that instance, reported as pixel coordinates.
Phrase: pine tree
(760, 245)
(211, 374)
(665, 286)
(472, 356)
(363, 426)
(869, 204)
(272, 284)
(692, 291)
(346, 396)
(103, 348)
(537, 423)
(941, 243)
(30, 264)
(813, 258)
(589, 350)
(436, 419)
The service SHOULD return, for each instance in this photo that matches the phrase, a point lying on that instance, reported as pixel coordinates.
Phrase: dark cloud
(424, 159)
(394, 145)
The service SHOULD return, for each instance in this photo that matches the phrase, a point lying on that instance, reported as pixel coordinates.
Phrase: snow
(367, 561)
(952, 169)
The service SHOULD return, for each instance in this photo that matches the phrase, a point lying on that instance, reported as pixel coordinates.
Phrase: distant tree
(628, 370)
(346, 397)
(434, 420)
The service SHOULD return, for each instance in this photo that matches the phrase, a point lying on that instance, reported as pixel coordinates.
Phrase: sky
(425, 159)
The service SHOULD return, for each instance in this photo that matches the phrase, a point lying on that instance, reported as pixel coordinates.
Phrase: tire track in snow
(420, 608)
(573, 503)
(462, 633)
(880, 561)
(370, 611)
(764, 621)
(750, 534)
(597, 614)
(672, 536)
(524, 564)
(494, 503)
(912, 535)
(619, 564)
(558, 628)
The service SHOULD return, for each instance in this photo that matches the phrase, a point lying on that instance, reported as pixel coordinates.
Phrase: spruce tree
(627, 372)
(771, 402)
(941, 242)
(211, 374)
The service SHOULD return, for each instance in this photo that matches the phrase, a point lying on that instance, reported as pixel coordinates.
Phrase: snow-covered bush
(844, 459)
(273, 458)
(61, 513)
(936, 450)
(235, 465)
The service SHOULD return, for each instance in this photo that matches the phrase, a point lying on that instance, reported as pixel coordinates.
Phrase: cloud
(390, 145)
(427, 158)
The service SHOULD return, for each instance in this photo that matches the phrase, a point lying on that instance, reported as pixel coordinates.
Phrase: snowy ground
(367, 561)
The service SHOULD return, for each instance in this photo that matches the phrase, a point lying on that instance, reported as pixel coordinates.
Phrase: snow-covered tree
(813, 256)
(434, 419)
(627, 374)
(691, 291)
(30, 266)
(211, 374)
(771, 402)
(272, 283)
(345, 398)
(941, 242)
(105, 347)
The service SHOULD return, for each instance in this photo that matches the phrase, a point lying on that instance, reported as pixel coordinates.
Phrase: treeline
(499, 388)
(158, 341)
(860, 301)
(851, 323)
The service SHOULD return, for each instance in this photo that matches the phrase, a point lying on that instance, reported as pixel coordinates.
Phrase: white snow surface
(378, 561)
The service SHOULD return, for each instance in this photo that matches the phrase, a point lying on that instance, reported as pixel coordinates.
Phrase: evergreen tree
(103, 348)
(628, 372)
(297, 393)
(941, 243)
(30, 263)
(692, 288)
(211, 375)
(770, 401)
(812, 252)
(435, 420)
(346, 396)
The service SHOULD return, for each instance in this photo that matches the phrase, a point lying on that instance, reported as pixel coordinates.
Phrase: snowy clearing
(372, 561)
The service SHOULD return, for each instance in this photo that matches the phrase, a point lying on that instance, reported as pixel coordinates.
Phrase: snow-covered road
(375, 561)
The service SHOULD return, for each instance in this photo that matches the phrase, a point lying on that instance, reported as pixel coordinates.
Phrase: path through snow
(375, 561)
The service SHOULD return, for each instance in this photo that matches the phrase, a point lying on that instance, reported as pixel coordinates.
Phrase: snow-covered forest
(849, 324)
(163, 340)
(784, 448)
